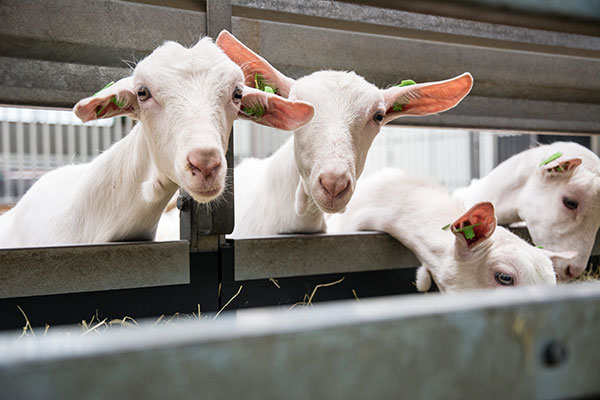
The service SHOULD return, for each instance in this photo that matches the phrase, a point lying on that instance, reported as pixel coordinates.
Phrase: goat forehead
(172, 65)
(336, 92)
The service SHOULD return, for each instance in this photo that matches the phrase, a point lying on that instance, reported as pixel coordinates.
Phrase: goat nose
(204, 161)
(334, 184)
(573, 272)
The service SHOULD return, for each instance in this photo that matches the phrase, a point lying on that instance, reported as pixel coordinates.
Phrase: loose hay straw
(230, 300)
(308, 301)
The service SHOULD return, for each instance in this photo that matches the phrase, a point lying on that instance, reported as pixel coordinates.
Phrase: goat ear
(476, 225)
(556, 256)
(116, 99)
(253, 65)
(274, 111)
(560, 167)
(425, 98)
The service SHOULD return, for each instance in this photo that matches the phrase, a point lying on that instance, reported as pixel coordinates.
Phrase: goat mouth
(332, 206)
(207, 194)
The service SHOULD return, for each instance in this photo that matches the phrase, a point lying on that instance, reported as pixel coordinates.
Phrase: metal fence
(33, 142)
(55, 52)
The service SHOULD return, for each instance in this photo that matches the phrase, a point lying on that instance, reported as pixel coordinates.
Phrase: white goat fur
(413, 210)
(522, 190)
(121, 194)
(287, 192)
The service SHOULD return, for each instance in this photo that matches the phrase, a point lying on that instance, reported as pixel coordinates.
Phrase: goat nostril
(334, 186)
(205, 162)
(569, 272)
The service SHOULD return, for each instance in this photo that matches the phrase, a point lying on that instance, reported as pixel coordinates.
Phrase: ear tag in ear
(468, 230)
(257, 111)
(109, 85)
(540, 247)
(407, 82)
(551, 158)
(259, 83)
(446, 227)
(113, 100)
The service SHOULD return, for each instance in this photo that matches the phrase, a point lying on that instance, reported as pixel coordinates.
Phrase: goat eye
(504, 279)
(571, 204)
(378, 117)
(143, 93)
(237, 94)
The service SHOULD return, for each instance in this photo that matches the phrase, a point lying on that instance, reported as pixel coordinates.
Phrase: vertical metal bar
(106, 142)
(71, 152)
(83, 131)
(474, 154)
(6, 161)
(198, 223)
(95, 141)
(58, 143)
(20, 159)
(46, 146)
(118, 130)
(33, 148)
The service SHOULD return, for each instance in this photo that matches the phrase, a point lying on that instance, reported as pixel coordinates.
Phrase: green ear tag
(551, 158)
(446, 227)
(407, 82)
(540, 247)
(468, 230)
(259, 83)
(469, 233)
(109, 85)
(256, 111)
(113, 100)
(118, 103)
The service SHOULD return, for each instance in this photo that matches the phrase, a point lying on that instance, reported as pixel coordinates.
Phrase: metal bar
(201, 223)
(101, 32)
(54, 270)
(20, 139)
(334, 14)
(305, 255)
(297, 255)
(543, 340)
(6, 162)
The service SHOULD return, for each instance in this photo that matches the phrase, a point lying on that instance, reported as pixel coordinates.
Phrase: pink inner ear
(279, 112)
(481, 213)
(252, 64)
(427, 98)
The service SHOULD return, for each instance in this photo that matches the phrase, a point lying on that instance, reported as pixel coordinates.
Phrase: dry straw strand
(230, 300)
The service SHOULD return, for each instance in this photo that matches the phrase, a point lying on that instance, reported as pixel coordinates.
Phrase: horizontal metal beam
(101, 32)
(54, 53)
(86, 268)
(283, 256)
(537, 342)
(341, 15)
(525, 79)
(52, 84)
(297, 255)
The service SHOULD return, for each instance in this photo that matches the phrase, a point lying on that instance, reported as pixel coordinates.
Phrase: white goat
(186, 101)
(414, 211)
(315, 172)
(559, 200)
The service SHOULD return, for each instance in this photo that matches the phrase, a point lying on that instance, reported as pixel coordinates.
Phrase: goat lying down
(472, 252)
(315, 172)
(555, 190)
(185, 100)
